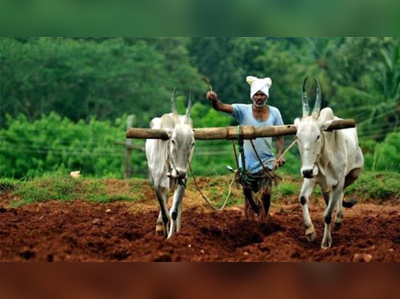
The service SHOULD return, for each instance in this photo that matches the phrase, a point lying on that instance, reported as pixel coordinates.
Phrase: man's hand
(217, 104)
(280, 161)
(211, 96)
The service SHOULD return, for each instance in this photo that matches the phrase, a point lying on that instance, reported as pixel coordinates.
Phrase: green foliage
(384, 156)
(286, 189)
(80, 78)
(107, 77)
(59, 97)
(376, 186)
(53, 143)
(7, 185)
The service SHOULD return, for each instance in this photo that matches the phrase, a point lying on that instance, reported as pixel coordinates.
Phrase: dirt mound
(124, 231)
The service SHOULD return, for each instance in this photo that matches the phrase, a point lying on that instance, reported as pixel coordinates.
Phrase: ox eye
(318, 137)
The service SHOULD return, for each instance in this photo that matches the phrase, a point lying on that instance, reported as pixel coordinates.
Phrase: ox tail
(349, 204)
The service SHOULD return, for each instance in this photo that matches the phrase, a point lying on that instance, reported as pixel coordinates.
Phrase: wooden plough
(232, 133)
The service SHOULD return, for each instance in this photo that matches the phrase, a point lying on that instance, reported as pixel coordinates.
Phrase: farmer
(256, 178)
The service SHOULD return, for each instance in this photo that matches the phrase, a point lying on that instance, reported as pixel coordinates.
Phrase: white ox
(168, 162)
(331, 159)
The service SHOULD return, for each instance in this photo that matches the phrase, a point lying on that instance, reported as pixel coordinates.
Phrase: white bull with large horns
(168, 162)
(331, 159)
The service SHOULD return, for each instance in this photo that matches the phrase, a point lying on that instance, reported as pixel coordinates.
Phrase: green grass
(64, 188)
(7, 185)
(370, 186)
(286, 189)
(47, 188)
(376, 186)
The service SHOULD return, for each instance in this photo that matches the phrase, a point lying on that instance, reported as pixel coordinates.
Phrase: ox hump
(326, 114)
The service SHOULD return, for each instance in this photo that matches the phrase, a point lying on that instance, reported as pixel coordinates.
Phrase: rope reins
(242, 171)
(205, 198)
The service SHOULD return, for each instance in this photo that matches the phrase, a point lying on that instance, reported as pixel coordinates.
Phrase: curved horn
(306, 108)
(189, 108)
(173, 103)
(318, 99)
(173, 107)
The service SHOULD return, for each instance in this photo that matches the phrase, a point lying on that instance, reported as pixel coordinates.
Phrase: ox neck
(325, 143)
(171, 164)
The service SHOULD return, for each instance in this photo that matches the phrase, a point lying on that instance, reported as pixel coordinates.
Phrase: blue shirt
(244, 115)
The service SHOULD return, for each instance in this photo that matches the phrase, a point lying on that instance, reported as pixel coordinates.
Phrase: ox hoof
(337, 226)
(326, 244)
(311, 235)
(160, 231)
(171, 235)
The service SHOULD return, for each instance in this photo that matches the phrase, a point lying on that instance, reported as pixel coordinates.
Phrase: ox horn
(317, 106)
(173, 107)
(306, 108)
(189, 107)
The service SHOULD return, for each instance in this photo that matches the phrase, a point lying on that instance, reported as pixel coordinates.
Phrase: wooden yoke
(231, 133)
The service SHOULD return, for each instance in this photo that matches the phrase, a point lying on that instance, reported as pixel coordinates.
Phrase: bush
(383, 156)
(54, 143)
(377, 186)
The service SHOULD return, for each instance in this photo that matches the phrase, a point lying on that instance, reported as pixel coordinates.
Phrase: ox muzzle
(309, 172)
(177, 174)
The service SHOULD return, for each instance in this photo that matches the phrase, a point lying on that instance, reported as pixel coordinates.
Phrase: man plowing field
(257, 161)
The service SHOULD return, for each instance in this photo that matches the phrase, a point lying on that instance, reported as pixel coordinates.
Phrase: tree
(78, 78)
(369, 89)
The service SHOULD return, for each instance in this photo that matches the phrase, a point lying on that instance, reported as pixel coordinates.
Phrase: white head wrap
(258, 84)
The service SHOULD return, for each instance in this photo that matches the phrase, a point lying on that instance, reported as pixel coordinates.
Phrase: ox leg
(339, 212)
(352, 176)
(336, 197)
(175, 210)
(179, 219)
(306, 190)
(163, 219)
(327, 196)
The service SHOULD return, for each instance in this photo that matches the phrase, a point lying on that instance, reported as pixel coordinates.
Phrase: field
(122, 229)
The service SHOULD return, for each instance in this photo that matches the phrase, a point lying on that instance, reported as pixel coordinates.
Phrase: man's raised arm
(217, 104)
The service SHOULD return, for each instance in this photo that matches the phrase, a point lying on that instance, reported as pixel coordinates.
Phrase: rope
(284, 153)
(233, 179)
(236, 155)
(262, 164)
(205, 198)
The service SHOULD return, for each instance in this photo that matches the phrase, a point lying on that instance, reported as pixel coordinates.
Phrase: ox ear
(296, 122)
(325, 124)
